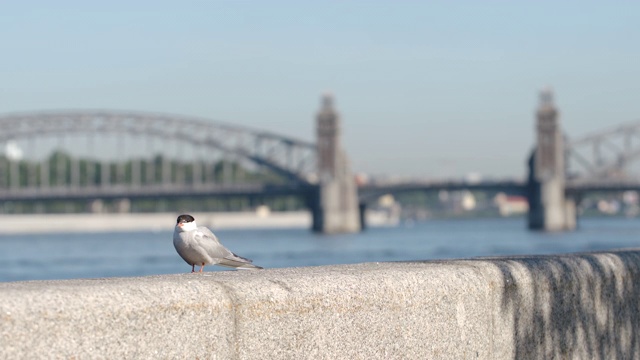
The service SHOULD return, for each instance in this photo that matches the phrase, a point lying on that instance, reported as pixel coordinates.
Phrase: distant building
(468, 201)
(511, 205)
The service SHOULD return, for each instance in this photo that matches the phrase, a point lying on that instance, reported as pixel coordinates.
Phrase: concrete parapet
(583, 306)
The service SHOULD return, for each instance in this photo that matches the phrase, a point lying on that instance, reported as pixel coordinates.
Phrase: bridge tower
(549, 209)
(336, 209)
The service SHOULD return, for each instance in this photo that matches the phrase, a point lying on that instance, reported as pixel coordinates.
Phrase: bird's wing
(210, 244)
(206, 233)
(237, 262)
(215, 249)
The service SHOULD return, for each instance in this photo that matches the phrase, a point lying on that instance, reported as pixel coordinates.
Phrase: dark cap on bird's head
(185, 219)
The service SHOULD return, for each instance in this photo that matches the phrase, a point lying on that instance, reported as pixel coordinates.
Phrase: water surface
(91, 255)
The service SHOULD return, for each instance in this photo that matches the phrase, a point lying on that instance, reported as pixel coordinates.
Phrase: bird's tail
(238, 262)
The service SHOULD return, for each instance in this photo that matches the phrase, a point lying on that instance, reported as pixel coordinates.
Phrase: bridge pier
(335, 207)
(549, 208)
(363, 215)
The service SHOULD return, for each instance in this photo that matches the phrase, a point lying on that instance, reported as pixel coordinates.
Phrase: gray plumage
(197, 245)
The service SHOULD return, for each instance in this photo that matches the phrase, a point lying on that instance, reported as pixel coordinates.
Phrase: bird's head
(186, 223)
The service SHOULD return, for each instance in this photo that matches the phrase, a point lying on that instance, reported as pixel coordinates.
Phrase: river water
(93, 255)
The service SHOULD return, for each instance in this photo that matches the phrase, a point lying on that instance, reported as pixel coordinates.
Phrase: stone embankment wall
(584, 306)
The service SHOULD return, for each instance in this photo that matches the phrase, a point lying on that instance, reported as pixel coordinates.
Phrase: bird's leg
(201, 267)
(193, 268)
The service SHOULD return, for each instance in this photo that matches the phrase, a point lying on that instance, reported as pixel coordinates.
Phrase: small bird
(197, 245)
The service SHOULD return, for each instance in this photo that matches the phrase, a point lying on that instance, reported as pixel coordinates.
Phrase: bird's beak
(179, 225)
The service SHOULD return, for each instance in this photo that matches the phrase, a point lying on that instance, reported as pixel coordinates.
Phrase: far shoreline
(165, 221)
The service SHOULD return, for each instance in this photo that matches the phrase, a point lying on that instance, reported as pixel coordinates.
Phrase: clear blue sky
(424, 88)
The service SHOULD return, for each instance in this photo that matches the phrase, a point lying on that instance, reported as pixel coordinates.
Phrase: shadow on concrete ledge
(572, 306)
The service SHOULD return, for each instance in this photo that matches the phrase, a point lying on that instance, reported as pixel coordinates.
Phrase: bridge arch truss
(607, 155)
(291, 158)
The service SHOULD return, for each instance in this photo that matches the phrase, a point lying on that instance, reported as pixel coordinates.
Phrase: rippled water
(64, 256)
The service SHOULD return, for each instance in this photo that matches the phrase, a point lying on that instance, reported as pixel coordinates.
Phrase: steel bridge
(87, 155)
(598, 162)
